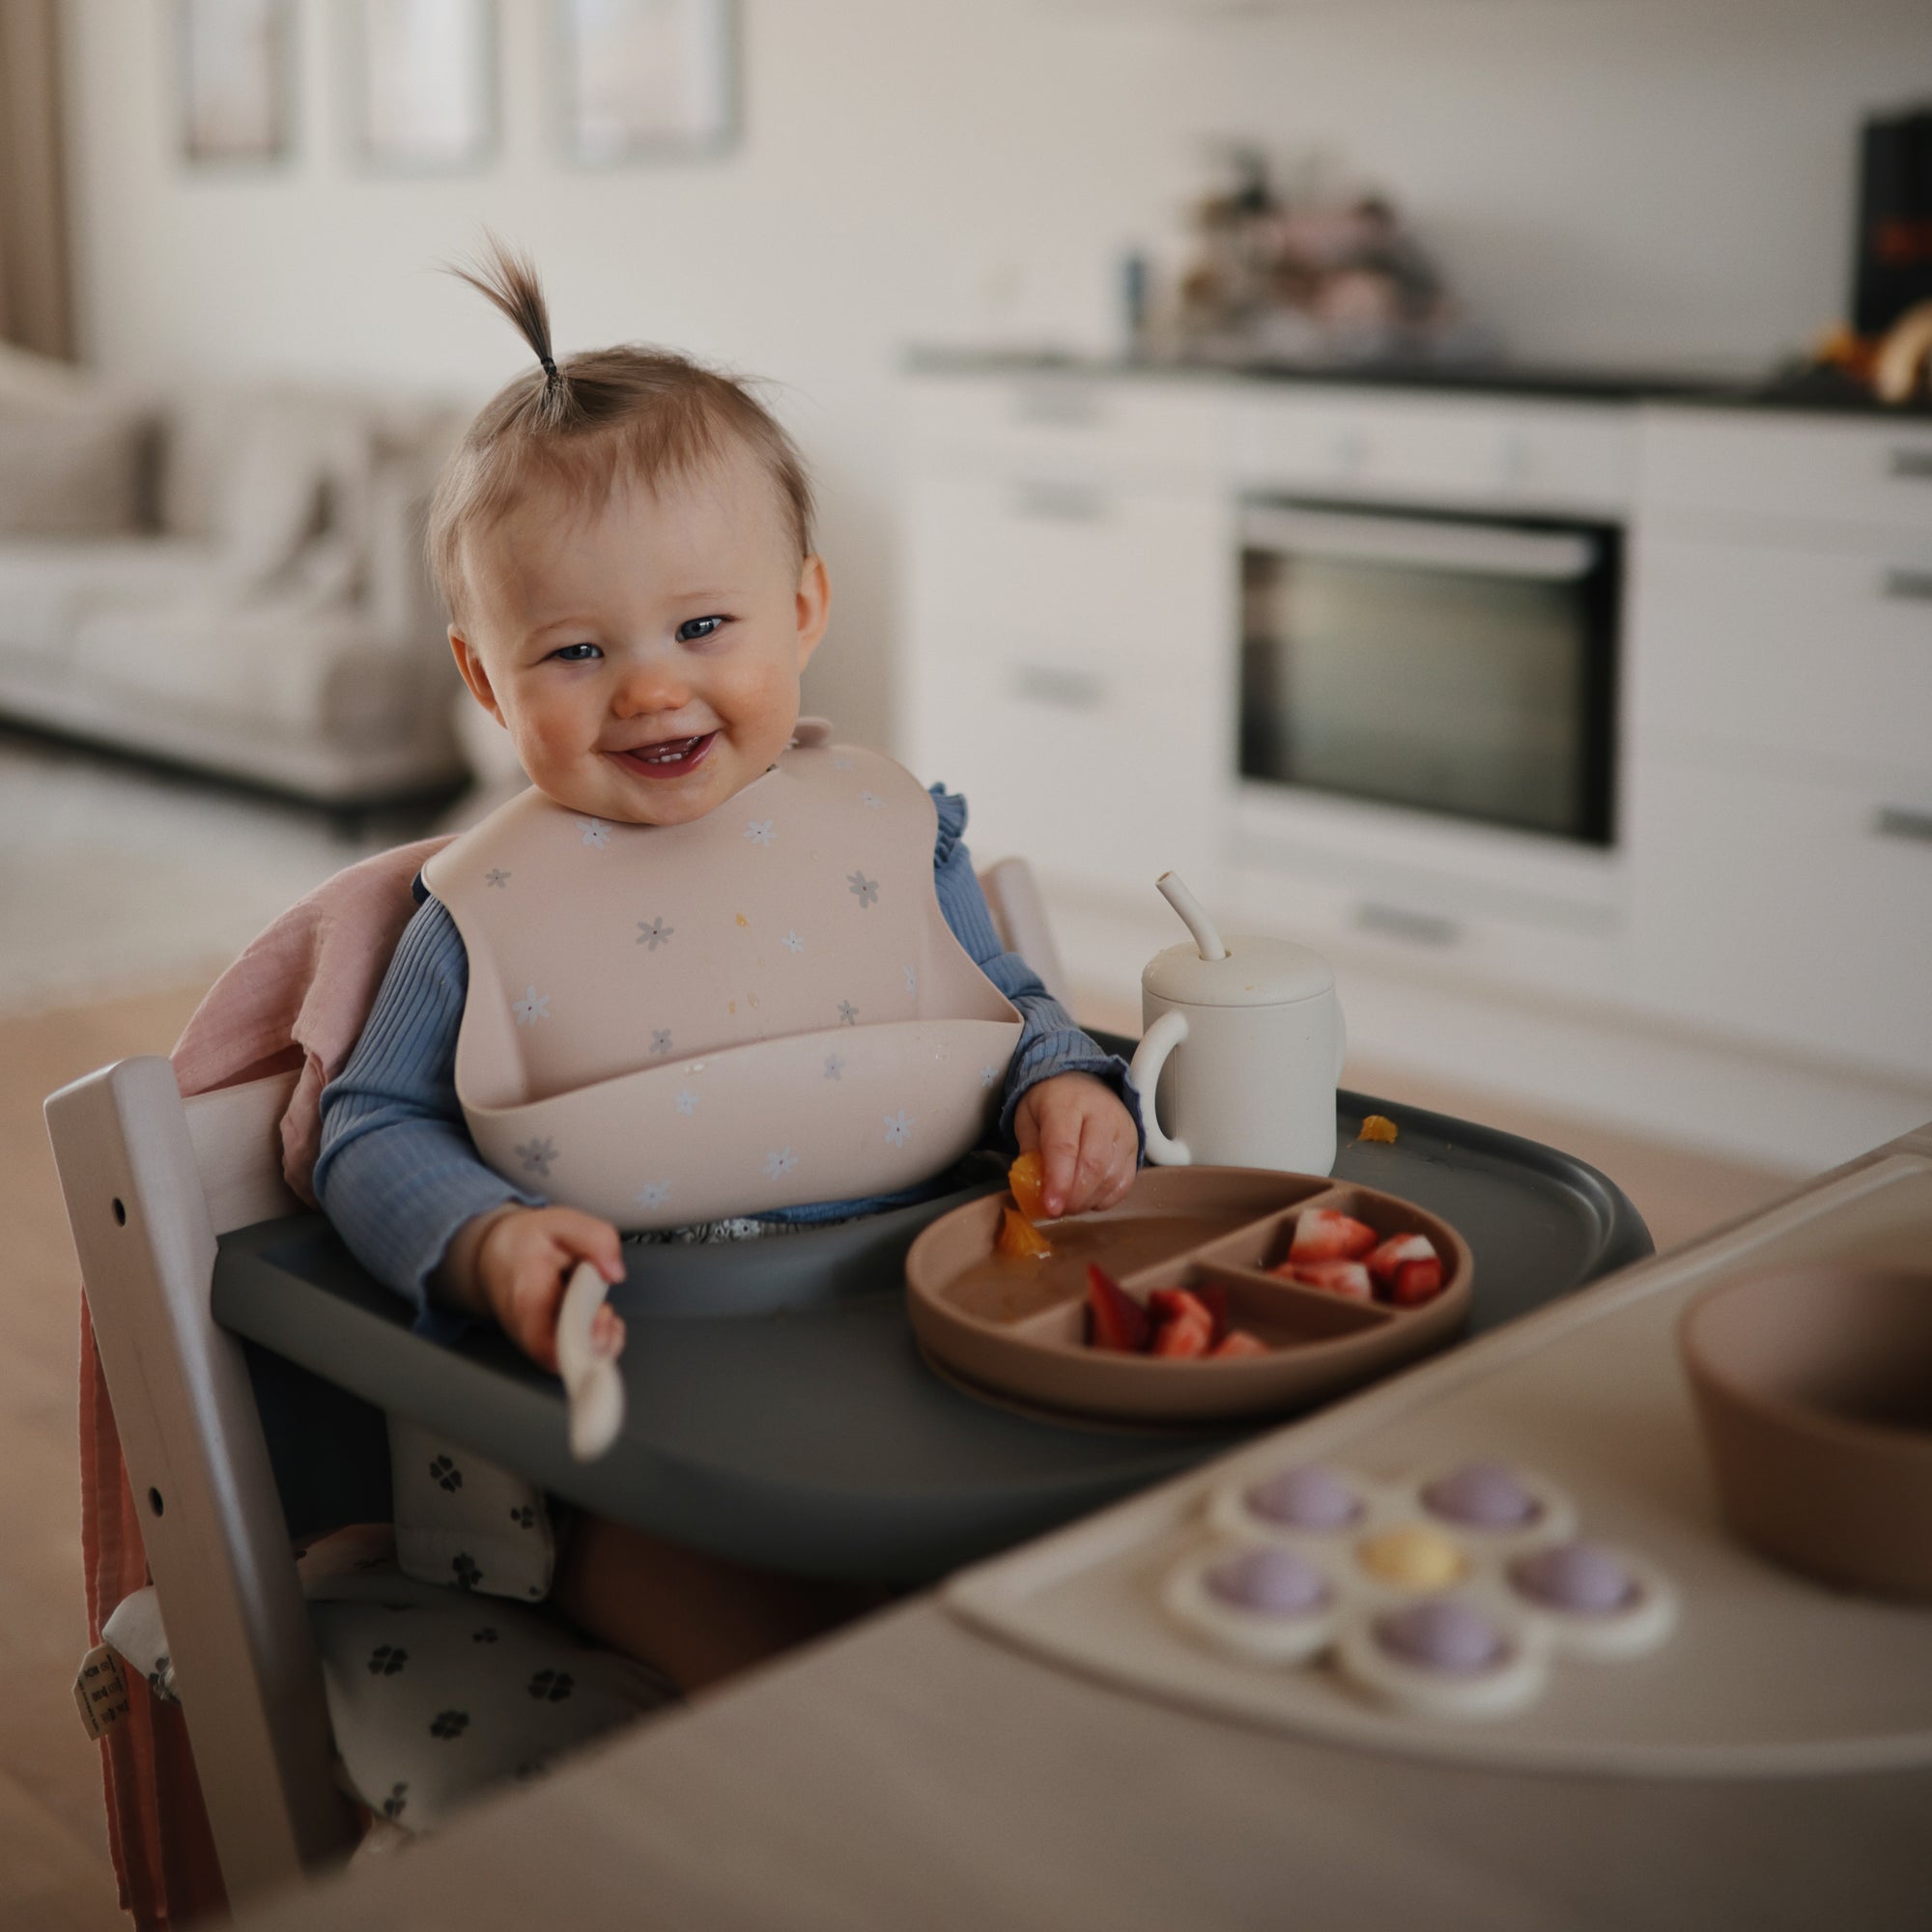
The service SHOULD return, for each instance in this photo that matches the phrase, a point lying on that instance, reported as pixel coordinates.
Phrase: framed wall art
(647, 79)
(234, 63)
(421, 83)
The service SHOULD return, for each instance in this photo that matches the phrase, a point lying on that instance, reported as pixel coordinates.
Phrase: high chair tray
(778, 1413)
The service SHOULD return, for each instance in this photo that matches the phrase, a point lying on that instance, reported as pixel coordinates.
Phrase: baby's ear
(469, 662)
(814, 607)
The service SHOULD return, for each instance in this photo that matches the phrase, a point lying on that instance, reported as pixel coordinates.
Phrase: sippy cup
(1242, 1051)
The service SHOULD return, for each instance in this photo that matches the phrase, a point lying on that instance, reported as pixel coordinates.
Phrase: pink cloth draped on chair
(297, 998)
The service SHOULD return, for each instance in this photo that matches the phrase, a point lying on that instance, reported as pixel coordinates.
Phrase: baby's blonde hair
(628, 414)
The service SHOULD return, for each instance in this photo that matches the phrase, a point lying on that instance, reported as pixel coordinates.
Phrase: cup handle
(1149, 1056)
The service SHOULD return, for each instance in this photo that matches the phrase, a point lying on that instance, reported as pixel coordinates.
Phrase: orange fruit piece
(1020, 1240)
(1376, 1128)
(1026, 1177)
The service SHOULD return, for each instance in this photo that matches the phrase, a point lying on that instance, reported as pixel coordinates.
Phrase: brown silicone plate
(1018, 1329)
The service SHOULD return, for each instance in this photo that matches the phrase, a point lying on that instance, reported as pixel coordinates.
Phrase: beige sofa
(230, 579)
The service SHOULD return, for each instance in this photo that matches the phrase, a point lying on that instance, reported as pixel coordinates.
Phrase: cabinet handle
(1057, 686)
(1052, 406)
(1913, 585)
(1913, 462)
(1059, 504)
(1420, 928)
(1895, 821)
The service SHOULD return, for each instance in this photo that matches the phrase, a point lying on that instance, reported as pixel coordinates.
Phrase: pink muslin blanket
(297, 998)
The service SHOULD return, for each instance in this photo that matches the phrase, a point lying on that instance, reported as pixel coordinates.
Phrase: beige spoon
(590, 1379)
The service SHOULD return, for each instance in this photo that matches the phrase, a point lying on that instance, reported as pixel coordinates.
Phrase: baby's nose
(649, 685)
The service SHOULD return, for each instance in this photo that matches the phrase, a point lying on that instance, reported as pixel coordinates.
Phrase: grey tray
(777, 1410)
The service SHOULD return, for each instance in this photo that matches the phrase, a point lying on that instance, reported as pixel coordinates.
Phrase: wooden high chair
(151, 1182)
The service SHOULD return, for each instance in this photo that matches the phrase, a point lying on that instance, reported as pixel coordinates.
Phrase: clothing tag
(100, 1690)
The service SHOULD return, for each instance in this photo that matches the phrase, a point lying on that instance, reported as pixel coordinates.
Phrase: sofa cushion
(264, 661)
(74, 453)
(49, 585)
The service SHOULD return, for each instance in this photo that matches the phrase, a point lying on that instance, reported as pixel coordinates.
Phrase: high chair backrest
(149, 1181)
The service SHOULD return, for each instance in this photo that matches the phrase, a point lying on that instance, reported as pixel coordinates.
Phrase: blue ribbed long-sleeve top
(398, 1174)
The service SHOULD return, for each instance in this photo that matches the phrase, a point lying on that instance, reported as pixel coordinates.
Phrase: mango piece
(1376, 1128)
(1020, 1240)
(1026, 1177)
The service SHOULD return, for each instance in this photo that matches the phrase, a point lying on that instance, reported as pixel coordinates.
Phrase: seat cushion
(49, 585)
(434, 1696)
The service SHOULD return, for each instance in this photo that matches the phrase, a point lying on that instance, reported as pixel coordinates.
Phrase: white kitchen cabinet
(1072, 669)
(1781, 805)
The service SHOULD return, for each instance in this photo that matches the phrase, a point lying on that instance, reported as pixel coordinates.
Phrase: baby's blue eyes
(692, 631)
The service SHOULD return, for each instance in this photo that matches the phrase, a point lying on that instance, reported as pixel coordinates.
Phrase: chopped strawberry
(1417, 1281)
(1184, 1335)
(1213, 1297)
(1238, 1341)
(1344, 1278)
(1118, 1321)
(1322, 1234)
(1393, 1251)
(1170, 1304)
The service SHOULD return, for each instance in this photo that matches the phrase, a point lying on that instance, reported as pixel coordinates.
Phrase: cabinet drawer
(1797, 913)
(1494, 455)
(1089, 767)
(1061, 421)
(1148, 574)
(1836, 475)
(1815, 653)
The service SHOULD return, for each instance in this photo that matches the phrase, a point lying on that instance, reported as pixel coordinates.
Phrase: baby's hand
(1086, 1139)
(522, 1262)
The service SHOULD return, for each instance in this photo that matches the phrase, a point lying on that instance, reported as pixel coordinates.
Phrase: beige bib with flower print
(671, 1024)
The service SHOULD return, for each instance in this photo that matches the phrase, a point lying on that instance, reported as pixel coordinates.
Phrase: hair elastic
(550, 368)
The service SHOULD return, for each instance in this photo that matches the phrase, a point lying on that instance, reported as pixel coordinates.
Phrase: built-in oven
(1459, 665)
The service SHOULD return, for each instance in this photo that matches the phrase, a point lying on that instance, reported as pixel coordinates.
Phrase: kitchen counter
(1805, 393)
(918, 1772)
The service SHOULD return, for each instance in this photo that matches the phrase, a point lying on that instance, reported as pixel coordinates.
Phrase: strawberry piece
(1213, 1297)
(1393, 1251)
(1019, 1239)
(1183, 1335)
(1417, 1281)
(1322, 1234)
(1173, 1304)
(1237, 1342)
(1116, 1320)
(1349, 1279)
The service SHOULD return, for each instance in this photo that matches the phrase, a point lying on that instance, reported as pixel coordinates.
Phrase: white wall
(1609, 180)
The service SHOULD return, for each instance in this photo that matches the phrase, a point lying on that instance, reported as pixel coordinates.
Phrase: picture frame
(421, 84)
(646, 79)
(235, 68)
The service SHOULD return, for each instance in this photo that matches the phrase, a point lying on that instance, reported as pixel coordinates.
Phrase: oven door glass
(1451, 666)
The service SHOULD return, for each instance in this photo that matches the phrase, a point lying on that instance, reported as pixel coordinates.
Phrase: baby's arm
(1064, 1094)
(404, 1186)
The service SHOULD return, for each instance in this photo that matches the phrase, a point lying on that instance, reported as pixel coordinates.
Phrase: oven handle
(1552, 557)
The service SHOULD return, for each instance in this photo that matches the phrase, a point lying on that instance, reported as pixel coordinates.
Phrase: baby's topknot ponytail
(628, 414)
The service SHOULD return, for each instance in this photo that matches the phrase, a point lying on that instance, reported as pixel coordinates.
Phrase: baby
(624, 543)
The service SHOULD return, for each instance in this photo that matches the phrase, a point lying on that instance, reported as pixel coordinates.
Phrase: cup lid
(1256, 973)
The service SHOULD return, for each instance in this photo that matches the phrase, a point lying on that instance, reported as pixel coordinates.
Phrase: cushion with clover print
(463, 1522)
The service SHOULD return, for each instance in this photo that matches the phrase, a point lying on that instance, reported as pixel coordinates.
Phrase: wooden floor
(54, 1874)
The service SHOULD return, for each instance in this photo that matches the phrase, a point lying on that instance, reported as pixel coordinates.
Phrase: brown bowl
(1813, 1388)
(1017, 1330)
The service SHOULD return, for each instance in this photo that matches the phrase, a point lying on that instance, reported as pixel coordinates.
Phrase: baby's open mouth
(668, 758)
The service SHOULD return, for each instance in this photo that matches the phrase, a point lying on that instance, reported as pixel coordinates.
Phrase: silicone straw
(1193, 913)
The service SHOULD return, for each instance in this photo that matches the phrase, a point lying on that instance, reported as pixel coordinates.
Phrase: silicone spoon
(590, 1379)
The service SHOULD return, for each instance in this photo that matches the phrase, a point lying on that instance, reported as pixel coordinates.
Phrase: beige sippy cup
(1242, 1051)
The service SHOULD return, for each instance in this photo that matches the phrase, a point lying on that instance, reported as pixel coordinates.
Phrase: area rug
(115, 879)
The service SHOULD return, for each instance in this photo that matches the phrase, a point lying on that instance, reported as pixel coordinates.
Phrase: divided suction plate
(1016, 1329)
